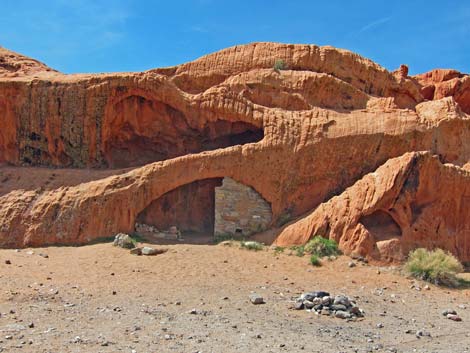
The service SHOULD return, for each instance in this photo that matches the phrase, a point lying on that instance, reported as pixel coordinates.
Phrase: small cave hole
(381, 225)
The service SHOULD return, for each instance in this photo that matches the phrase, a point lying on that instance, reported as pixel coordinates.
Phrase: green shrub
(280, 65)
(299, 250)
(252, 245)
(278, 249)
(315, 260)
(322, 247)
(435, 266)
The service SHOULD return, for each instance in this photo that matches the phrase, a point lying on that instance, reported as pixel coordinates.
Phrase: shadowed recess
(381, 225)
(189, 207)
(143, 131)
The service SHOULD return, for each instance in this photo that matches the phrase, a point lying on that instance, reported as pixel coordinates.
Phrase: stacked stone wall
(240, 210)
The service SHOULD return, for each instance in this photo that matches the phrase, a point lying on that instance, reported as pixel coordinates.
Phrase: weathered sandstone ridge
(412, 199)
(297, 136)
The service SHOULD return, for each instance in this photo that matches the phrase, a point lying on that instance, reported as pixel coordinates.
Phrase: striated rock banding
(297, 136)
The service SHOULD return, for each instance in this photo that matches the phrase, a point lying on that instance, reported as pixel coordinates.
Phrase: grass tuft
(299, 250)
(315, 260)
(279, 65)
(435, 266)
(322, 247)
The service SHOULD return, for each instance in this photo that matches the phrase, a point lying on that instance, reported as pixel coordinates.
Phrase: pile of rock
(143, 228)
(323, 303)
(152, 231)
(124, 241)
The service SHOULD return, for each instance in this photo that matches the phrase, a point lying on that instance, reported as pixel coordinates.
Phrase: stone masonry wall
(240, 210)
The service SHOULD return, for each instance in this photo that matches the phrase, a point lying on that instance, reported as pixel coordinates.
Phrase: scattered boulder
(149, 251)
(322, 303)
(326, 300)
(312, 295)
(342, 300)
(124, 241)
(256, 299)
(359, 258)
(451, 314)
(454, 317)
(422, 333)
(308, 304)
(342, 314)
(339, 307)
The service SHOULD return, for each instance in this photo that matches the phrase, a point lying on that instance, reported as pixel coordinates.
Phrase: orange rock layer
(410, 200)
(298, 136)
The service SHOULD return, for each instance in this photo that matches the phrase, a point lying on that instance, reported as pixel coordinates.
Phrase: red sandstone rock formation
(298, 136)
(14, 65)
(410, 200)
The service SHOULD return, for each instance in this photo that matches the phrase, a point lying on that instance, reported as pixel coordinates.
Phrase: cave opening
(190, 209)
(142, 131)
(381, 225)
(199, 211)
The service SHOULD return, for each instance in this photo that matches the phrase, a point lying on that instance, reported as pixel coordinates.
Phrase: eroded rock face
(297, 136)
(13, 65)
(413, 200)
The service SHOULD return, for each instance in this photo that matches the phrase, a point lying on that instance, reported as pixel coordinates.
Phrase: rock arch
(207, 207)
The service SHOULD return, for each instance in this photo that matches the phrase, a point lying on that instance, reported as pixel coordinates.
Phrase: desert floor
(194, 298)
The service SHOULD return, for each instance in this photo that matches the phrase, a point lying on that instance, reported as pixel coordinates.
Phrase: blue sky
(134, 35)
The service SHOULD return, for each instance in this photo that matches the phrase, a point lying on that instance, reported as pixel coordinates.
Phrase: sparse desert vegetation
(318, 246)
(47, 303)
(196, 170)
(435, 266)
(315, 260)
(322, 247)
(279, 65)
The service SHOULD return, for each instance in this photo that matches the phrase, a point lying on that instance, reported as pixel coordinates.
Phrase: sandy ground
(100, 298)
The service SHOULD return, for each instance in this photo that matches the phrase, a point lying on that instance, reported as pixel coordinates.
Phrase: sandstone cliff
(298, 136)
